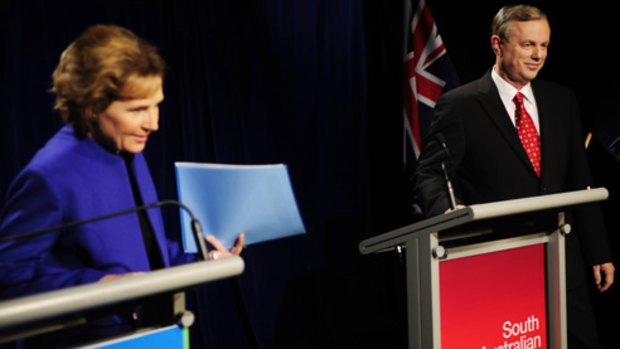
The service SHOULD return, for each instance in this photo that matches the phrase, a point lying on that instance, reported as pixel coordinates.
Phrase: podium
(488, 275)
(55, 310)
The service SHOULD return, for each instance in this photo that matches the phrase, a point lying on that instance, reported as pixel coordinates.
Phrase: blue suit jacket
(67, 180)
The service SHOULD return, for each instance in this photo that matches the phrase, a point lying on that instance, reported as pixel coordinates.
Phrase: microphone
(196, 228)
(442, 141)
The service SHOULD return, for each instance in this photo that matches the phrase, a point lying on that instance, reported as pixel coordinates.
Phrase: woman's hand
(220, 250)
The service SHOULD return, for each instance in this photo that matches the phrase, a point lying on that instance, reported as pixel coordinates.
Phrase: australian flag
(428, 73)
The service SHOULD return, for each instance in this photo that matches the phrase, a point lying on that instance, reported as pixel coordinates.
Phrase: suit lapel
(545, 120)
(495, 110)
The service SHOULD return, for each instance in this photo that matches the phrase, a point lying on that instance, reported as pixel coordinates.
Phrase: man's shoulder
(467, 91)
(464, 89)
(550, 86)
(485, 85)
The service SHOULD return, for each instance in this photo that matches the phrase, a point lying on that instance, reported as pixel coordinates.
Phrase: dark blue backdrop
(257, 82)
(313, 84)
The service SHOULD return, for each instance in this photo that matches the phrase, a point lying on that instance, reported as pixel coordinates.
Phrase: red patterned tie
(527, 132)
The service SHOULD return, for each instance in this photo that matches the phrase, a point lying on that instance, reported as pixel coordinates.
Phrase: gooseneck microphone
(196, 228)
(442, 141)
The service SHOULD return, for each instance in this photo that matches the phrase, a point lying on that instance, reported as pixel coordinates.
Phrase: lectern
(55, 310)
(488, 275)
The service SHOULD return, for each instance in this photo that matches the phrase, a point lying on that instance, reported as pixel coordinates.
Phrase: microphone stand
(196, 228)
(450, 188)
(442, 141)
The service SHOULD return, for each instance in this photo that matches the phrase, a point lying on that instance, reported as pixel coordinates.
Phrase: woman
(108, 86)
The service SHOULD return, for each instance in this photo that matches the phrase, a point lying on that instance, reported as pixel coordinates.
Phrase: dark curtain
(250, 83)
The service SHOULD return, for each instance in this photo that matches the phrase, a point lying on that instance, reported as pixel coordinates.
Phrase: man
(485, 126)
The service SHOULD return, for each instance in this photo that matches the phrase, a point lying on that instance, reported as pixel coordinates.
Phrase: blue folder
(257, 200)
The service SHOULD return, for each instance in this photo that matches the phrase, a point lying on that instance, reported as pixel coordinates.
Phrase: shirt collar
(508, 92)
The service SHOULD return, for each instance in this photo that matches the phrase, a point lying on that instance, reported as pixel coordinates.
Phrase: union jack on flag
(428, 73)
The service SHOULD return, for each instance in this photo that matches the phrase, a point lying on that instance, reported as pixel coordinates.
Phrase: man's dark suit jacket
(488, 163)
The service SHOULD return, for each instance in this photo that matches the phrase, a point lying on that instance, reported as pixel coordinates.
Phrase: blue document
(257, 200)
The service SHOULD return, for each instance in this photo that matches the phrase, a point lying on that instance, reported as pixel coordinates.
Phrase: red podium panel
(493, 300)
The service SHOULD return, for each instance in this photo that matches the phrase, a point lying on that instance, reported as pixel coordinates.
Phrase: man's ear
(496, 44)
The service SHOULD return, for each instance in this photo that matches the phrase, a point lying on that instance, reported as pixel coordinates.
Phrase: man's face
(521, 56)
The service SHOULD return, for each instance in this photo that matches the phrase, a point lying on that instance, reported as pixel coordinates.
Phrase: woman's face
(127, 123)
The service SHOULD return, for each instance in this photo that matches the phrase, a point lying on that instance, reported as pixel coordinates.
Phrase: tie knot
(518, 99)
